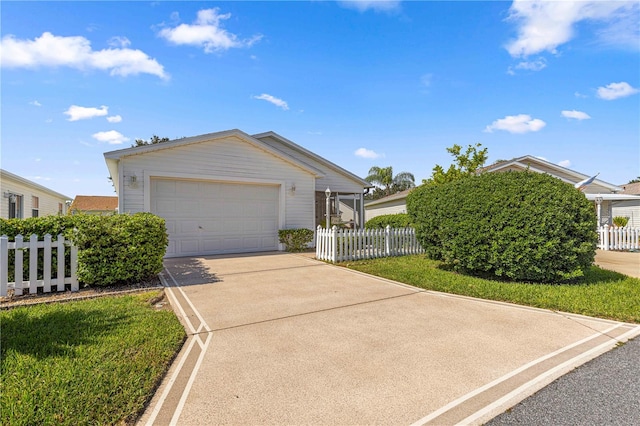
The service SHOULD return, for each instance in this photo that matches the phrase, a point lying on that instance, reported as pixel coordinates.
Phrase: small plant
(620, 221)
(295, 240)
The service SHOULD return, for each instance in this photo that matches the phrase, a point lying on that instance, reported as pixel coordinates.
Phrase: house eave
(316, 157)
(33, 185)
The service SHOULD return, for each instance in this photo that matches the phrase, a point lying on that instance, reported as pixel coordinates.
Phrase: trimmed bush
(120, 249)
(114, 249)
(295, 240)
(522, 226)
(399, 220)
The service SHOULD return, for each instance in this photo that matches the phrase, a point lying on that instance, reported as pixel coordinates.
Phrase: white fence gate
(613, 238)
(38, 277)
(339, 245)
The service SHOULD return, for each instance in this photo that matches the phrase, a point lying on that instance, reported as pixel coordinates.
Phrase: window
(35, 206)
(15, 206)
(60, 211)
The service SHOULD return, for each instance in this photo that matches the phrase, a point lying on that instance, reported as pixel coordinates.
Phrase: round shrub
(523, 226)
(399, 220)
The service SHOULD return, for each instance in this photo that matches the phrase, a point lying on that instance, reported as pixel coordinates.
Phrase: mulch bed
(11, 300)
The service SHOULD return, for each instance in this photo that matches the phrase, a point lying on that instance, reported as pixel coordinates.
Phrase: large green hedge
(114, 249)
(522, 226)
(398, 220)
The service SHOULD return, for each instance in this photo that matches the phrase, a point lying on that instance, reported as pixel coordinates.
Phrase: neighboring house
(391, 204)
(22, 198)
(94, 204)
(230, 192)
(612, 201)
(628, 208)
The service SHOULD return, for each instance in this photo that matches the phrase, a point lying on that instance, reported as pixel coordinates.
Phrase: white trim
(32, 185)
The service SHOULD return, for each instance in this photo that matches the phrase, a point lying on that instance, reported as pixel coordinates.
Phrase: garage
(209, 217)
(229, 192)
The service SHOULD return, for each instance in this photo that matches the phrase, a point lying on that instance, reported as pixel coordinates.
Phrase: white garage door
(213, 218)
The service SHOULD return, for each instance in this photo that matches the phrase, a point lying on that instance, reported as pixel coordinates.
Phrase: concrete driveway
(283, 339)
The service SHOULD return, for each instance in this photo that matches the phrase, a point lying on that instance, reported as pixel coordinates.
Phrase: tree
(465, 164)
(154, 140)
(390, 184)
(636, 180)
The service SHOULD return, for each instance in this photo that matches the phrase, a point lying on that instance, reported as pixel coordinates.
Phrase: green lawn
(86, 362)
(602, 293)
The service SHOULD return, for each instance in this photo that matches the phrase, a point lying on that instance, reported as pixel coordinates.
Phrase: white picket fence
(613, 238)
(339, 245)
(30, 248)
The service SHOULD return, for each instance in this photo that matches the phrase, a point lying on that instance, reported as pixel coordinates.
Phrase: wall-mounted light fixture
(292, 190)
(11, 196)
(133, 181)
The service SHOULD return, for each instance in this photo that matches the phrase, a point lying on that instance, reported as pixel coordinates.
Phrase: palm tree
(383, 176)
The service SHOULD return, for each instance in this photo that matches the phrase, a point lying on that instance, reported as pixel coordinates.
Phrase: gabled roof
(529, 162)
(306, 153)
(5, 174)
(87, 203)
(397, 196)
(113, 157)
(631, 188)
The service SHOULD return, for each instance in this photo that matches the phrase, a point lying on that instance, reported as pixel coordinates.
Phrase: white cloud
(367, 153)
(207, 32)
(537, 65)
(377, 5)
(76, 112)
(49, 120)
(114, 119)
(616, 90)
(521, 123)
(272, 99)
(35, 103)
(49, 50)
(545, 25)
(111, 137)
(577, 115)
(40, 178)
(565, 163)
(118, 41)
(580, 95)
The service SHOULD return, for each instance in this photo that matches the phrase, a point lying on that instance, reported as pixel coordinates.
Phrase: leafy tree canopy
(636, 180)
(387, 183)
(154, 140)
(464, 164)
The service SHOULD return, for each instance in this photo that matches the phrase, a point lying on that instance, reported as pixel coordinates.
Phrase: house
(94, 204)
(630, 207)
(391, 204)
(230, 192)
(22, 198)
(607, 198)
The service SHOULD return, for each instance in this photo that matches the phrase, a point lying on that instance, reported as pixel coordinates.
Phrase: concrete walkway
(283, 339)
(625, 262)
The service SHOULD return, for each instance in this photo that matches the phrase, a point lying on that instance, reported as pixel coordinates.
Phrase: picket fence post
(4, 267)
(606, 237)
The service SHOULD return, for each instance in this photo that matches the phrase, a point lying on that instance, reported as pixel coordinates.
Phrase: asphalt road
(604, 391)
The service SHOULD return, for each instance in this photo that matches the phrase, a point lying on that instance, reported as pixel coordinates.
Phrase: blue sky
(363, 84)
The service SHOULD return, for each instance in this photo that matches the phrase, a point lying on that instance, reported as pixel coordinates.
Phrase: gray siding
(334, 180)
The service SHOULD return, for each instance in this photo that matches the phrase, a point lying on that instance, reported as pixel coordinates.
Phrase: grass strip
(601, 293)
(87, 362)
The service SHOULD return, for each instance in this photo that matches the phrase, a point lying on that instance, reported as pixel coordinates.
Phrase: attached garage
(208, 217)
(227, 192)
